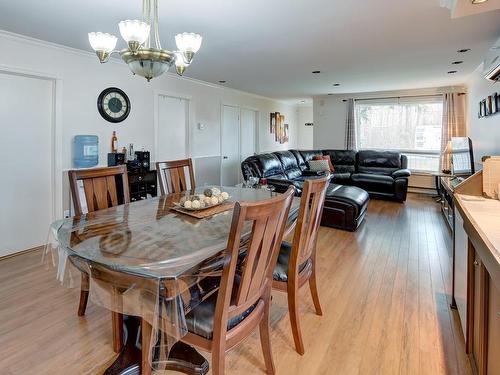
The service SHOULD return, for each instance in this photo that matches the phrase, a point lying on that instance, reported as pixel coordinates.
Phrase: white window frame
(407, 152)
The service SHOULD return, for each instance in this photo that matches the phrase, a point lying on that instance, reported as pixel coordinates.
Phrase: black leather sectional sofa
(379, 174)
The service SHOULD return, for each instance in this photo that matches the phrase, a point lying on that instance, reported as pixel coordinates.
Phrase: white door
(173, 128)
(248, 126)
(26, 201)
(230, 146)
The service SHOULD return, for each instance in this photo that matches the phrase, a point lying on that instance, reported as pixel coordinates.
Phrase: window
(409, 125)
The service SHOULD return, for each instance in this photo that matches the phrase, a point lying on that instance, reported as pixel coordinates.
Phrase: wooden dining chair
(242, 302)
(172, 175)
(296, 263)
(99, 187)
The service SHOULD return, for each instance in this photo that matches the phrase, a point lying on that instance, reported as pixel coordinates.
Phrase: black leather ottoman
(345, 207)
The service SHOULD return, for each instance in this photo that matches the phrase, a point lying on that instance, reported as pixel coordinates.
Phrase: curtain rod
(400, 97)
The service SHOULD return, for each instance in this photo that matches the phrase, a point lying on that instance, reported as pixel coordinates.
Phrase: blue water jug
(86, 151)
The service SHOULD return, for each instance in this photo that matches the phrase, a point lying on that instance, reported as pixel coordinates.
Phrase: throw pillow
(319, 165)
(326, 157)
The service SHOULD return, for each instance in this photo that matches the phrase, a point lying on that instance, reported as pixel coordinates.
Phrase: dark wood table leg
(129, 359)
(183, 358)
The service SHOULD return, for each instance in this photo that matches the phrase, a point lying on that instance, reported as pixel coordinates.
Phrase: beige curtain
(350, 127)
(453, 123)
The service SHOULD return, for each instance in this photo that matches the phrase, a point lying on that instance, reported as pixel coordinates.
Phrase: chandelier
(144, 54)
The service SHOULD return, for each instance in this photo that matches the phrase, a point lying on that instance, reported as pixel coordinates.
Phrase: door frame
(56, 158)
(189, 118)
(256, 132)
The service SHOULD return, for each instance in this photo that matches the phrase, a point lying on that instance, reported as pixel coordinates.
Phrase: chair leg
(218, 360)
(117, 319)
(84, 293)
(314, 291)
(265, 339)
(293, 309)
(146, 331)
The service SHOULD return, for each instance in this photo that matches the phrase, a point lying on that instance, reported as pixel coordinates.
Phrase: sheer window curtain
(351, 140)
(453, 123)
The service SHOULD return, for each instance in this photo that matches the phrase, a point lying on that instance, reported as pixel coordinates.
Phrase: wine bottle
(114, 141)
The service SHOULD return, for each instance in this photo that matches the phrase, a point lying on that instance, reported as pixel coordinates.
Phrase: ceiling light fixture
(142, 59)
(463, 50)
(316, 71)
(336, 84)
(457, 62)
(478, 1)
(452, 72)
(222, 81)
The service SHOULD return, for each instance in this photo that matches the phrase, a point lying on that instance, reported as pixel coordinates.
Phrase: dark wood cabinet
(142, 185)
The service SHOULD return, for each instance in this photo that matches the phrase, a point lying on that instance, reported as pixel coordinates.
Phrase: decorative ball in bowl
(210, 197)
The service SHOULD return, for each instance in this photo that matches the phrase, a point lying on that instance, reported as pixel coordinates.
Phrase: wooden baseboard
(21, 252)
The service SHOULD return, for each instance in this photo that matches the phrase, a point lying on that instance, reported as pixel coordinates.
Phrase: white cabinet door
(26, 143)
(230, 146)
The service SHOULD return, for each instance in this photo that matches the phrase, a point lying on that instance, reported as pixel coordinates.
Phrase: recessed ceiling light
(330, 93)
(336, 84)
(316, 71)
(457, 62)
(478, 1)
(222, 81)
(302, 101)
(463, 50)
(452, 72)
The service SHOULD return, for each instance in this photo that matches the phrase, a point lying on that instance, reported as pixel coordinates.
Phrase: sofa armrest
(307, 172)
(281, 185)
(401, 173)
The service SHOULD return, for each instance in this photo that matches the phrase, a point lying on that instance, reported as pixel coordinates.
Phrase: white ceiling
(270, 47)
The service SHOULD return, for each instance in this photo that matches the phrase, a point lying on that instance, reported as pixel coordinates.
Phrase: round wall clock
(113, 105)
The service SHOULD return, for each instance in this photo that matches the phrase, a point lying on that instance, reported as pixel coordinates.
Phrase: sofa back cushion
(289, 164)
(300, 160)
(378, 162)
(269, 166)
(344, 161)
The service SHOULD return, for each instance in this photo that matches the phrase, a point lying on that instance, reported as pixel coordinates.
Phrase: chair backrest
(268, 219)
(99, 185)
(308, 221)
(172, 175)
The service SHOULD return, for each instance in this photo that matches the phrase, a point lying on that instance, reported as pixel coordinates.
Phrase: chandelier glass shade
(144, 54)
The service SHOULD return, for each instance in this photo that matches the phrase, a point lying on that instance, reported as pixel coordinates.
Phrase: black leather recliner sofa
(381, 174)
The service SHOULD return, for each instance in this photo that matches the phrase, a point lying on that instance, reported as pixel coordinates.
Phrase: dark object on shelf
(142, 184)
(113, 105)
(134, 166)
(144, 158)
(115, 158)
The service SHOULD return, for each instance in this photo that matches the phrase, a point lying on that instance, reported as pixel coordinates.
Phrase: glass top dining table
(148, 254)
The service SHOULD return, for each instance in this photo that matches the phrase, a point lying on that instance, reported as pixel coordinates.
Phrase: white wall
(83, 78)
(305, 134)
(484, 132)
(330, 113)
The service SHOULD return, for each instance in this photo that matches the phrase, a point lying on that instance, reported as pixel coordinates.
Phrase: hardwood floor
(385, 293)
